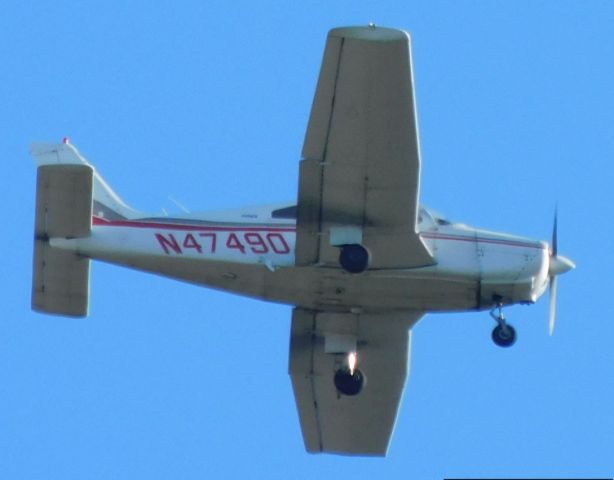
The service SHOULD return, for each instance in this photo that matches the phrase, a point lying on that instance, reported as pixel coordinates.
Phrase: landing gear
(348, 379)
(503, 335)
(354, 258)
(349, 383)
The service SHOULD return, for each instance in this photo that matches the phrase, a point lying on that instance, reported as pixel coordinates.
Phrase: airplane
(357, 256)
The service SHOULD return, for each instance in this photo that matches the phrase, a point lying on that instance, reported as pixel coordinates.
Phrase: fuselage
(251, 252)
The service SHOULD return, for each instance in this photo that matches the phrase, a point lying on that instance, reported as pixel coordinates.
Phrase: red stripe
(99, 221)
(173, 226)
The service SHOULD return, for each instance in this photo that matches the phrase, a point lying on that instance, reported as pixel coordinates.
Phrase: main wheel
(503, 338)
(354, 258)
(349, 384)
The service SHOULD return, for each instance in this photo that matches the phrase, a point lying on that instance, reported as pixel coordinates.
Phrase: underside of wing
(331, 421)
(361, 157)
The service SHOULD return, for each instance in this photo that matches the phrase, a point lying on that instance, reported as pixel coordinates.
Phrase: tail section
(69, 192)
(107, 204)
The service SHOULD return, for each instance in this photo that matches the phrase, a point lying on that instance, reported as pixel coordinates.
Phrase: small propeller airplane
(357, 256)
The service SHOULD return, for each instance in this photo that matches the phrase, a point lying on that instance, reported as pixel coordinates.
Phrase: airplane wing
(361, 157)
(352, 425)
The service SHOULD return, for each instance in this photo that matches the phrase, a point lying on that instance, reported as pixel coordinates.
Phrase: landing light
(352, 359)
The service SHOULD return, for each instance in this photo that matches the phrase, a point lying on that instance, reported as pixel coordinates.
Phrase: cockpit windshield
(286, 212)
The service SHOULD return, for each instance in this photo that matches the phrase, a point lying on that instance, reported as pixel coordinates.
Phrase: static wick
(352, 359)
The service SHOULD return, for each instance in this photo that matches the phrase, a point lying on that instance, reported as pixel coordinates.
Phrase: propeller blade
(554, 246)
(553, 293)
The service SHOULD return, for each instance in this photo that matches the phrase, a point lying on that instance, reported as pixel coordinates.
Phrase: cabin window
(287, 212)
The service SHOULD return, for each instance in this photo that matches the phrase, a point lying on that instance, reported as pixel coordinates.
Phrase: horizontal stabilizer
(60, 282)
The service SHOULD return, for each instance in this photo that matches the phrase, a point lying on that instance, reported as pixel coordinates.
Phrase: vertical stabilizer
(107, 203)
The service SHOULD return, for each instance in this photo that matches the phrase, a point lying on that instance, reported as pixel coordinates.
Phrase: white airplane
(357, 256)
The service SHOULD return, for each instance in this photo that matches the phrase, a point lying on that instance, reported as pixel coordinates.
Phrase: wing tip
(350, 452)
(370, 33)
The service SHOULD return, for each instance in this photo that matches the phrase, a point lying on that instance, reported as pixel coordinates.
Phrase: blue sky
(207, 102)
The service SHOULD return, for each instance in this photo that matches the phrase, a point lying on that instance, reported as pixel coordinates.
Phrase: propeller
(558, 265)
(553, 293)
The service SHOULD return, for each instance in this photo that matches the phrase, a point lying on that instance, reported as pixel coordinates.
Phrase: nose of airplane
(559, 265)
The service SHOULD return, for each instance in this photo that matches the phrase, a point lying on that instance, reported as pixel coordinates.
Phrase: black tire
(503, 339)
(354, 258)
(349, 384)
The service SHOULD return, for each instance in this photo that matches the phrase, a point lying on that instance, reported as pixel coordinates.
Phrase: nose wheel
(503, 335)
